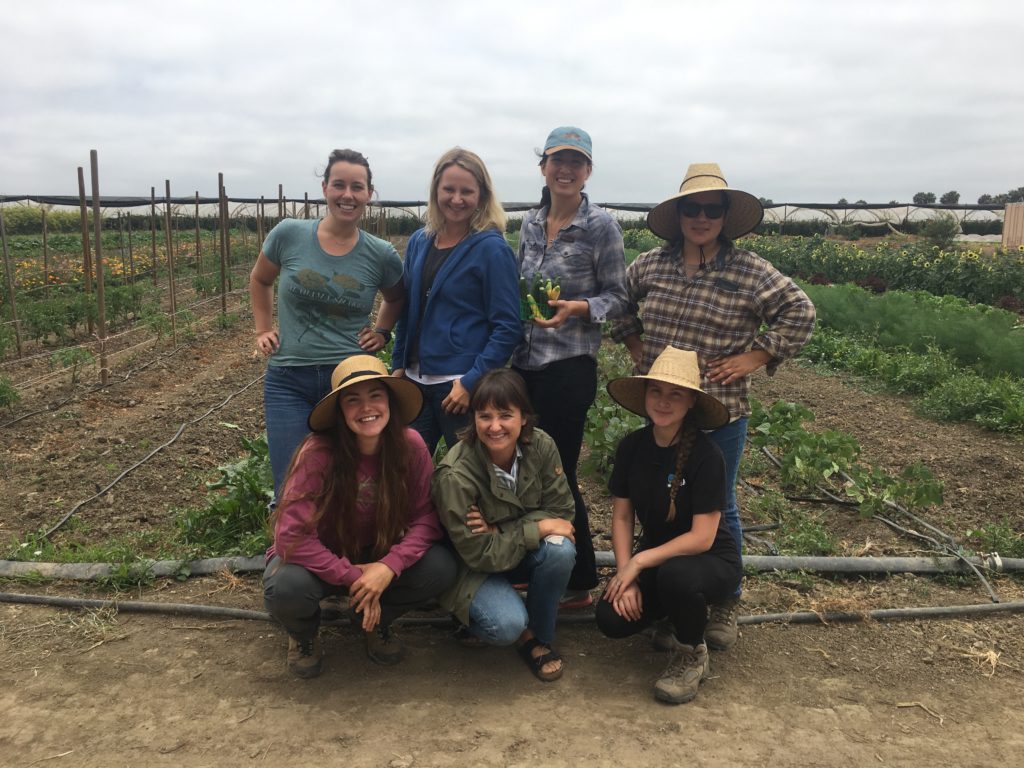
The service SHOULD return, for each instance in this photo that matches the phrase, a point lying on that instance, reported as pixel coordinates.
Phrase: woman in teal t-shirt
(328, 272)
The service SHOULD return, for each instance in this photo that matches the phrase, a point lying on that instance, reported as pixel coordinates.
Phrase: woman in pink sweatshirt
(356, 517)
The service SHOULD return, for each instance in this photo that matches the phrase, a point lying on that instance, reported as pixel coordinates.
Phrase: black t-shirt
(643, 474)
(436, 257)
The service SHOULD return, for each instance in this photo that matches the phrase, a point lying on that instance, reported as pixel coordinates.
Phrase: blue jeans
(730, 439)
(289, 394)
(433, 423)
(497, 614)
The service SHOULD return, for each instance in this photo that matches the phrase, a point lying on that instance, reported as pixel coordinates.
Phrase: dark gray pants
(292, 594)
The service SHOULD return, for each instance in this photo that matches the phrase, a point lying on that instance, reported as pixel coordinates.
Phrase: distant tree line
(953, 197)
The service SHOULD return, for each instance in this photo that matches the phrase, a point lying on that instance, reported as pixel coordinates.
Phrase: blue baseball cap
(569, 137)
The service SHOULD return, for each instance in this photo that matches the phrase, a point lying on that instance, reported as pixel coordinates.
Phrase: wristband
(383, 332)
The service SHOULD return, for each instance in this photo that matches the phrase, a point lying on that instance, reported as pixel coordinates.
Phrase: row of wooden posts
(93, 262)
(92, 255)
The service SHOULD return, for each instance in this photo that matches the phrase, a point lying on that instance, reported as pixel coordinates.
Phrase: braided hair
(687, 437)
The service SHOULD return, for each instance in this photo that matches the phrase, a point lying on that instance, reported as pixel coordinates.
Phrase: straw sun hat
(678, 368)
(745, 211)
(355, 370)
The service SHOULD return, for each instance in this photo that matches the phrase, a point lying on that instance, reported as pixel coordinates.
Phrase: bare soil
(98, 688)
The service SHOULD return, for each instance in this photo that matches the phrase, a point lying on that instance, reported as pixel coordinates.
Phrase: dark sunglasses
(711, 210)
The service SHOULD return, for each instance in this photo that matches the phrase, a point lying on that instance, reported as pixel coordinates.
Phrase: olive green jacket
(464, 478)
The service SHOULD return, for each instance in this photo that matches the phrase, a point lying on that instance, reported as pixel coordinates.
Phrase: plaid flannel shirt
(718, 312)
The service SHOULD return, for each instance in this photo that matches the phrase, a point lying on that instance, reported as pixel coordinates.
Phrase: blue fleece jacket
(471, 319)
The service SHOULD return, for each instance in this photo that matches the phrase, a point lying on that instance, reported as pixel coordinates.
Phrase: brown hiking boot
(679, 682)
(384, 646)
(664, 636)
(305, 656)
(721, 631)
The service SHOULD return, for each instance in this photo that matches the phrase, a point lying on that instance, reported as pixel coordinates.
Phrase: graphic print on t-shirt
(338, 296)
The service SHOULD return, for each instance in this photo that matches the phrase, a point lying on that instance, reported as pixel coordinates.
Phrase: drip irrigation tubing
(759, 563)
(797, 617)
(54, 528)
(947, 545)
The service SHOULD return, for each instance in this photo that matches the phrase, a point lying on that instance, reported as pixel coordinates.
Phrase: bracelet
(383, 332)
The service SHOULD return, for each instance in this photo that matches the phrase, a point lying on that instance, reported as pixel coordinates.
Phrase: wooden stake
(120, 247)
(152, 230)
(46, 258)
(305, 208)
(280, 202)
(259, 220)
(170, 261)
(222, 213)
(9, 280)
(86, 255)
(199, 247)
(227, 236)
(97, 228)
(131, 252)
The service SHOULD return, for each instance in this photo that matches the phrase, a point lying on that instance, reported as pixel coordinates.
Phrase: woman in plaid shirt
(700, 292)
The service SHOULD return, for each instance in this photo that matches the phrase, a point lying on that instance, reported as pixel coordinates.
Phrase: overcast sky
(797, 101)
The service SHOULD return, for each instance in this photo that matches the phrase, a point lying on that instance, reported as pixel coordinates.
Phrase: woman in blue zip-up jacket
(461, 315)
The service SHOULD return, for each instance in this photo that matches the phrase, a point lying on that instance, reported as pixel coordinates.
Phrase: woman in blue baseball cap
(578, 247)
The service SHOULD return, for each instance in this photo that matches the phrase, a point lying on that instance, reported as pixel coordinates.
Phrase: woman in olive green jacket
(502, 495)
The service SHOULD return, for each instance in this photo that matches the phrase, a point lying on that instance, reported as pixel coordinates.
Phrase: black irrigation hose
(798, 617)
(135, 606)
(883, 614)
(604, 559)
(147, 457)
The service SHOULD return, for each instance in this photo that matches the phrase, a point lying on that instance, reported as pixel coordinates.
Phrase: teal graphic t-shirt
(323, 300)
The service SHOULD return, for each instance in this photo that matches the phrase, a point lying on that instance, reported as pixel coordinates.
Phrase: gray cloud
(797, 101)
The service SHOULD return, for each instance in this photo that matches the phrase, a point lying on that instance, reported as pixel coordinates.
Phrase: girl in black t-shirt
(671, 478)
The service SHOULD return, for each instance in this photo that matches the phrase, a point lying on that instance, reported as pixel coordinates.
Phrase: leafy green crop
(826, 459)
(984, 338)
(607, 422)
(8, 394)
(989, 278)
(73, 358)
(234, 521)
(946, 392)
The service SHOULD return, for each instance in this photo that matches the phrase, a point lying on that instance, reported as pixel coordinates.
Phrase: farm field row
(826, 692)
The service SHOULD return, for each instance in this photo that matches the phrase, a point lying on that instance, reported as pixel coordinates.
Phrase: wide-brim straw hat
(355, 370)
(680, 369)
(744, 214)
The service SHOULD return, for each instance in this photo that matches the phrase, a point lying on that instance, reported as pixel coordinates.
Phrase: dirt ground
(95, 688)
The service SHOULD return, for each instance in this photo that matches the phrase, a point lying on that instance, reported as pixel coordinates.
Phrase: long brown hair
(687, 436)
(336, 499)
